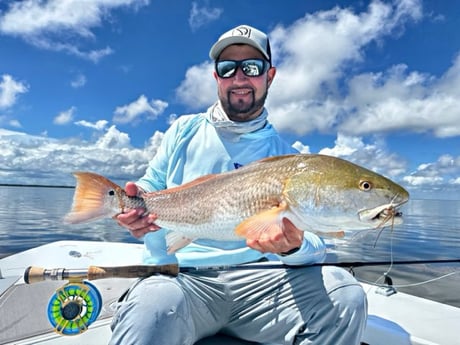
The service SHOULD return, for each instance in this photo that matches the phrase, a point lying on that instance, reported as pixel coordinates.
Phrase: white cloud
(113, 138)
(301, 147)
(313, 54)
(200, 16)
(9, 90)
(79, 81)
(38, 159)
(58, 25)
(64, 117)
(42, 160)
(373, 156)
(401, 100)
(198, 90)
(98, 125)
(445, 170)
(132, 112)
(14, 123)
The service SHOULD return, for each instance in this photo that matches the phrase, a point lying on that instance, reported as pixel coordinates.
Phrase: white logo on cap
(242, 31)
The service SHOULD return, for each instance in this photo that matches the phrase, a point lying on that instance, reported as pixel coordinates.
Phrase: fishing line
(388, 281)
(385, 276)
(413, 284)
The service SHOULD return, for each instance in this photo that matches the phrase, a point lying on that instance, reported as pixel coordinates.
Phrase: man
(307, 305)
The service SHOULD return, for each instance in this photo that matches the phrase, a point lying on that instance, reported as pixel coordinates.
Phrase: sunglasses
(250, 67)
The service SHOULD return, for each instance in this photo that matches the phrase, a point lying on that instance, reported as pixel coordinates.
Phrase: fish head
(381, 200)
(95, 197)
(339, 194)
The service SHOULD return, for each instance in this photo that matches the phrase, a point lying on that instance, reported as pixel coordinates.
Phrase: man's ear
(270, 75)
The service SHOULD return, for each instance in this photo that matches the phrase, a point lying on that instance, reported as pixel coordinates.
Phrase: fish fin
(89, 198)
(333, 234)
(253, 227)
(175, 241)
(187, 185)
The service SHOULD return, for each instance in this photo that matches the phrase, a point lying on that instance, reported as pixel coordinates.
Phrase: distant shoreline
(33, 185)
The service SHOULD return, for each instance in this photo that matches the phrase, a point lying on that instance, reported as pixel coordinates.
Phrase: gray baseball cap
(243, 34)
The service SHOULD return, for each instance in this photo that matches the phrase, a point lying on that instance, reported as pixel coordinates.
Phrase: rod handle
(135, 271)
(35, 274)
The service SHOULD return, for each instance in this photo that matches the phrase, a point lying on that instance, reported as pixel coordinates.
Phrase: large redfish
(317, 193)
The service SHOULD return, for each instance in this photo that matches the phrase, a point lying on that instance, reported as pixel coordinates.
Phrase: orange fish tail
(94, 197)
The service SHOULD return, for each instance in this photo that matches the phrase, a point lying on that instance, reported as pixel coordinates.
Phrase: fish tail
(94, 197)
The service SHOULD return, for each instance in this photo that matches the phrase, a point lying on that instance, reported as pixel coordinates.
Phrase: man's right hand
(136, 221)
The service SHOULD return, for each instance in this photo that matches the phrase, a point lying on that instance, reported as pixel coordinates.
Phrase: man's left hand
(278, 240)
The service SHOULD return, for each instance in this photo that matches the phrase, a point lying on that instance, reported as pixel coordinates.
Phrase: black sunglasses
(250, 67)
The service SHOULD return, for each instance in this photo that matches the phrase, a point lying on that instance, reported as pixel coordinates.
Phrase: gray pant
(311, 305)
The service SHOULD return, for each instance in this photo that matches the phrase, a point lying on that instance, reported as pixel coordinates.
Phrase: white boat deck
(399, 319)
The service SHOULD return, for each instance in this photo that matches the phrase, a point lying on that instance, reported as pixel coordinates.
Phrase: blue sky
(93, 85)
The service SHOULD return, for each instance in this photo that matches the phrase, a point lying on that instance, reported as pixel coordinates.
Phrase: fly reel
(74, 307)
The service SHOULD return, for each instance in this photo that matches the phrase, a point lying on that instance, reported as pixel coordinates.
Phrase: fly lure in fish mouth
(389, 214)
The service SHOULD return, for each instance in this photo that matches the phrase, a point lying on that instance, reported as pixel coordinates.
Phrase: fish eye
(111, 192)
(365, 186)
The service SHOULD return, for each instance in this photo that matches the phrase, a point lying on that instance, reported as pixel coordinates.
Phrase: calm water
(31, 216)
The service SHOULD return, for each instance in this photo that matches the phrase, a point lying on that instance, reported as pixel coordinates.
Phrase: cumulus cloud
(132, 112)
(398, 99)
(59, 25)
(306, 89)
(445, 170)
(198, 89)
(200, 16)
(64, 117)
(43, 160)
(98, 125)
(9, 90)
(371, 154)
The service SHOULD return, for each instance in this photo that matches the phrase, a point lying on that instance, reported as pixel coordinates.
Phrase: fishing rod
(35, 274)
(78, 303)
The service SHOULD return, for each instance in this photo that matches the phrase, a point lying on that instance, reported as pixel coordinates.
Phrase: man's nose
(239, 75)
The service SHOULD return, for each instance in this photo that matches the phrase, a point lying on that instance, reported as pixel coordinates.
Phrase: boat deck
(397, 319)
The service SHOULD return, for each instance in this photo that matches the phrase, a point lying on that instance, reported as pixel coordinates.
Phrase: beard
(241, 111)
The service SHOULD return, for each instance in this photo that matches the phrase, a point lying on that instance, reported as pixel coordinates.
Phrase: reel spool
(74, 307)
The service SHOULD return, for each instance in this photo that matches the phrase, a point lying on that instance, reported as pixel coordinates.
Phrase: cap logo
(242, 31)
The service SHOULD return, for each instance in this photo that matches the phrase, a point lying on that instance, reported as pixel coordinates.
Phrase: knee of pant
(152, 309)
(351, 297)
(158, 302)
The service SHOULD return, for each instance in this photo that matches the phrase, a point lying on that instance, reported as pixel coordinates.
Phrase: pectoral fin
(176, 241)
(254, 227)
(334, 234)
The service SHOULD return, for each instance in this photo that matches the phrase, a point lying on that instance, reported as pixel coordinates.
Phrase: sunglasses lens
(253, 68)
(226, 68)
(250, 67)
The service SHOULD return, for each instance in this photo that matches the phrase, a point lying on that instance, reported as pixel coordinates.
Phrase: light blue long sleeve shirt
(197, 145)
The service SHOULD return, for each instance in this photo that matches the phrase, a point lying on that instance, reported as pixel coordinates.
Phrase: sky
(92, 85)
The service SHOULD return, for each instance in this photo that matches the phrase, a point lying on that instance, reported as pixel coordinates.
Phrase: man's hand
(135, 220)
(278, 240)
